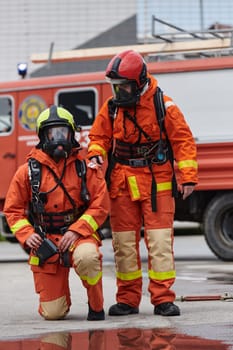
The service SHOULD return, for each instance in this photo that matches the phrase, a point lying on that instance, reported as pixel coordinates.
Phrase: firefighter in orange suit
(142, 183)
(56, 212)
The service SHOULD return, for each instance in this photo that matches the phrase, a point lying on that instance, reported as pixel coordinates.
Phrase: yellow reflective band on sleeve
(164, 186)
(92, 281)
(130, 276)
(161, 276)
(90, 220)
(96, 237)
(134, 187)
(19, 224)
(95, 147)
(187, 164)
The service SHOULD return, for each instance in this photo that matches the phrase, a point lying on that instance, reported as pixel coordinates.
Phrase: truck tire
(218, 226)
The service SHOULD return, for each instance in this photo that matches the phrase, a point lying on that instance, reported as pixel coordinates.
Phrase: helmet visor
(58, 133)
(124, 91)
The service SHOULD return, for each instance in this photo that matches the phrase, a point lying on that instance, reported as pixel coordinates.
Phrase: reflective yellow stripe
(134, 187)
(164, 186)
(187, 164)
(19, 224)
(34, 260)
(92, 281)
(96, 237)
(90, 220)
(161, 276)
(129, 276)
(95, 147)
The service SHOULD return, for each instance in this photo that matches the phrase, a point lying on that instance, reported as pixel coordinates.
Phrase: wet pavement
(203, 324)
(117, 339)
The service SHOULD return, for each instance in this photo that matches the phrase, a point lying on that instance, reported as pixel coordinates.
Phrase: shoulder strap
(81, 168)
(161, 113)
(111, 109)
(34, 173)
(160, 107)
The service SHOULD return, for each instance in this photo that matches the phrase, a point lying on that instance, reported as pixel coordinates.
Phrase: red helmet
(128, 67)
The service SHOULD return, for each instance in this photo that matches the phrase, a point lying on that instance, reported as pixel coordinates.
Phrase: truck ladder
(172, 43)
(179, 34)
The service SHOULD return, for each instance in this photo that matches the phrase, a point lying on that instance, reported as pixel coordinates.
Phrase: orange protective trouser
(139, 339)
(56, 341)
(52, 280)
(127, 217)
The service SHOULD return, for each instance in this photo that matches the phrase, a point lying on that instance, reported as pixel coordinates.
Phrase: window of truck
(82, 104)
(6, 115)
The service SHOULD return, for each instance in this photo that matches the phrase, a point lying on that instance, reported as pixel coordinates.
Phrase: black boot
(121, 309)
(167, 309)
(95, 315)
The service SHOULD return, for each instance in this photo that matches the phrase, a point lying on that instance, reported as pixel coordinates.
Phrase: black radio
(47, 247)
(46, 250)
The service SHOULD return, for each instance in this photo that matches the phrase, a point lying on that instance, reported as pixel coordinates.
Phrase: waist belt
(134, 163)
(127, 151)
(57, 223)
(57, 230)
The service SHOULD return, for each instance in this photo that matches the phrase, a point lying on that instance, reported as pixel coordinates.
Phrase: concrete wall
(30, 26)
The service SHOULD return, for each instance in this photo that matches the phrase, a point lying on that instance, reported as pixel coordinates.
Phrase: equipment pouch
(101, 235)
(46, 250)
(161, 154)
(66, 259)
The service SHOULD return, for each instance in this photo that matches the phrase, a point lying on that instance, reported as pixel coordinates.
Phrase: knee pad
(86, 259)
(54, 309)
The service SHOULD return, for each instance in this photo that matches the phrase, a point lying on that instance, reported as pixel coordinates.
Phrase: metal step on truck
(198, 77)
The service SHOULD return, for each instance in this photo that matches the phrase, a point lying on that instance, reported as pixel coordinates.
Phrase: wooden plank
(144, 49)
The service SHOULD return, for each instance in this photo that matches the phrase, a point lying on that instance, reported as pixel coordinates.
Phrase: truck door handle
(9, 155)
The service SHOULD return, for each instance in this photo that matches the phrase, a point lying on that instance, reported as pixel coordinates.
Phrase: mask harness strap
(39, 198)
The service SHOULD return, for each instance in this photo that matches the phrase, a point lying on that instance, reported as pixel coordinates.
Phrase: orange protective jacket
(122, 129)
(19, 195)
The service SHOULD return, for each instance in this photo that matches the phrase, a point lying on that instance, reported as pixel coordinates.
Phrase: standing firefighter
(141, 130)
(54, 206)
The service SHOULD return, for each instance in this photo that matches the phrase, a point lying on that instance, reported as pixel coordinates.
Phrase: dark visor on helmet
(125, 91)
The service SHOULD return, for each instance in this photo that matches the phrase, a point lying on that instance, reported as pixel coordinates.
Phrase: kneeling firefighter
(55, 205)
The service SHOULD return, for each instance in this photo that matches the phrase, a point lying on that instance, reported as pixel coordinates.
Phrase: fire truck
(201, 87)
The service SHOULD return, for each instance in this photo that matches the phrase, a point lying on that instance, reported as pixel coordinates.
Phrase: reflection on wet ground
(118, 339)
(226, 278)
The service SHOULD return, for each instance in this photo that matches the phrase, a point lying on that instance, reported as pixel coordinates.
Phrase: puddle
(117, 339)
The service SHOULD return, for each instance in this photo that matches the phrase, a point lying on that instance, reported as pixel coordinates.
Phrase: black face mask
(59, 153)
(124, 98)
(57, 142)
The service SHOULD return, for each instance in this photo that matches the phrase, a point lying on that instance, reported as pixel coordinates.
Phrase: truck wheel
(218, 226)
